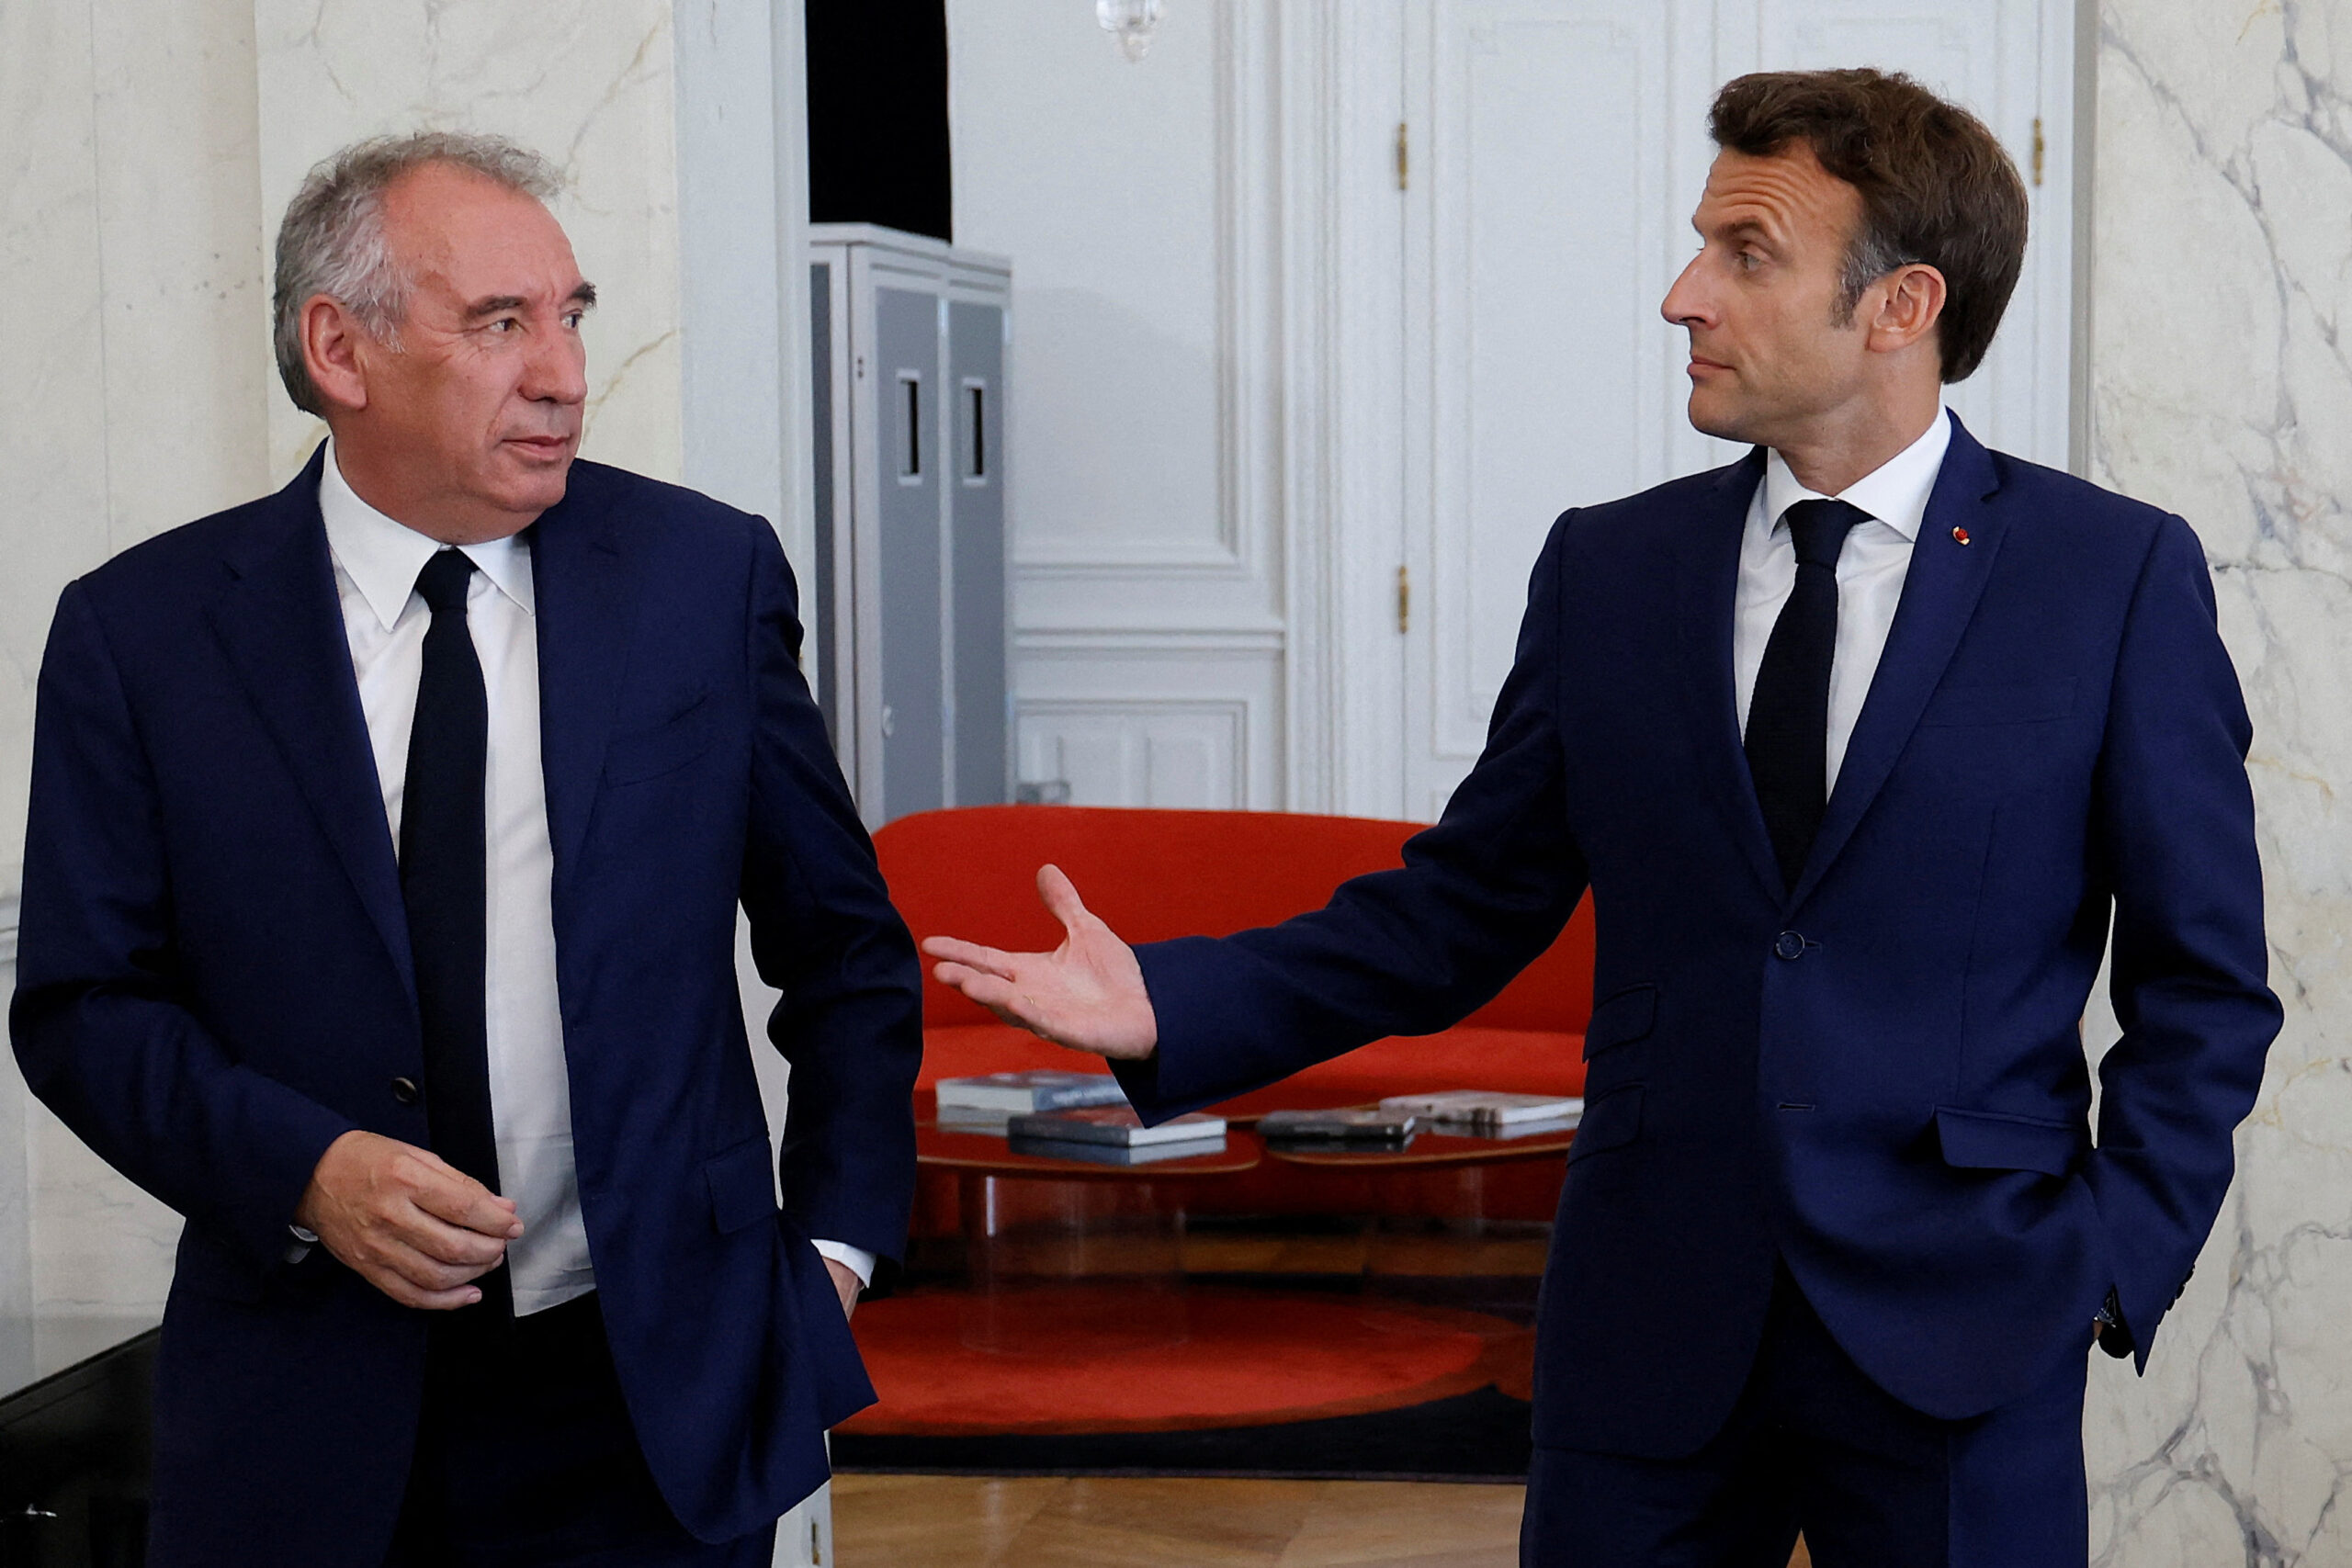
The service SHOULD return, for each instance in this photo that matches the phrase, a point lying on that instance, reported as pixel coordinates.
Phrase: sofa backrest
(971, 871)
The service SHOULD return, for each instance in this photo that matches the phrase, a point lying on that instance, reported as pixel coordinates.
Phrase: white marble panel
(2221, 388)
(100, 1247)
(16, 1208)
(181, 264)
(588, 83)
(53, 398)
(129, 315)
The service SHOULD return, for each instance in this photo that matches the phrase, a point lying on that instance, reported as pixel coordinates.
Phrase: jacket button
(1788, 944)
(404, 1090)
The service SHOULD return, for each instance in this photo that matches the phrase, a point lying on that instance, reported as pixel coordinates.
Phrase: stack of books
(1113, 1134)
(984, 1103)
(1490, 1113)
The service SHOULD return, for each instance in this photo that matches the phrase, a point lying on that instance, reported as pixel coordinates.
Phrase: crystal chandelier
(1131, 21)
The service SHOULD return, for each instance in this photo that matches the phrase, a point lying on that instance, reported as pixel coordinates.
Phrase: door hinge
(1404, 601)
(2040, 147)
(1404, 157)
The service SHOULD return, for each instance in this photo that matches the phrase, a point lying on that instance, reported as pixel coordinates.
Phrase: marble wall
(587, 81)
(131, 302)
(2220, 387)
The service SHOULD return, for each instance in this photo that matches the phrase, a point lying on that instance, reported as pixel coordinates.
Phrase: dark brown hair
(1937, 187)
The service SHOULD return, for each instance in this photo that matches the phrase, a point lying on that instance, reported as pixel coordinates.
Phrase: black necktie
(1788, 714)
(443, 882)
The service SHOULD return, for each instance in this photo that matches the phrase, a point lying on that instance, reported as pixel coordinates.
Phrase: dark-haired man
(388, 839)
(1862, 745)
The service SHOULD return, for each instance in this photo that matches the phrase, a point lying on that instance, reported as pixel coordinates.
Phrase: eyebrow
(586, 295)
(1742, 229)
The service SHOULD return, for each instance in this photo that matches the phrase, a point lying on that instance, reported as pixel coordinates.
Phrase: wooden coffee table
(1033, 1224)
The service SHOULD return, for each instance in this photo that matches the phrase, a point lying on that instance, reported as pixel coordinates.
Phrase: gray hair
(332, 241)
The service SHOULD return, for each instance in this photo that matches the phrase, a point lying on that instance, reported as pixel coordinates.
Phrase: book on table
(1115, 1154)
(1038, 1089)
(1489, 1112)
(1116, 1126)
(1352, 1125)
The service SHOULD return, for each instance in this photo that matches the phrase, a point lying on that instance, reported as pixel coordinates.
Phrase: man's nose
(1685, 304)
(557, 369)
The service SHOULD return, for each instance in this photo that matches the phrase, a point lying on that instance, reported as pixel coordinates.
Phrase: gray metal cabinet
(909, 614)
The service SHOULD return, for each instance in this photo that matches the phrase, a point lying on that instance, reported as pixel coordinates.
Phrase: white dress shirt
(1871, 569)
(377, 560)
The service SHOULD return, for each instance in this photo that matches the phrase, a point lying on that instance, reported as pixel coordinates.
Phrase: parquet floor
(928, 1521)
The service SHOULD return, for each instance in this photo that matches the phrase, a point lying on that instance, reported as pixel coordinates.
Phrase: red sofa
(971, 873)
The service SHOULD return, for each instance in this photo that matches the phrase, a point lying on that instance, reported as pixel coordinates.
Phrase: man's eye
(504, 325)
(573, 317)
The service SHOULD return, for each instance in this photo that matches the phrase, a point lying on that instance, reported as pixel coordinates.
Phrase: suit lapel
(578, 568)
(1940, 591)
(1708, 566)
(279, 621)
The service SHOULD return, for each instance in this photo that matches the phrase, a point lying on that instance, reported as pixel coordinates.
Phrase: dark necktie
(1788, 714)
(443, 882)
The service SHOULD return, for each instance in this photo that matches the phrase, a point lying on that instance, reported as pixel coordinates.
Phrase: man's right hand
(407, 1222)
(1087, 994)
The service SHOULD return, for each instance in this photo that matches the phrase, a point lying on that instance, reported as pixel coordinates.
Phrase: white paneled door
(1554, 151)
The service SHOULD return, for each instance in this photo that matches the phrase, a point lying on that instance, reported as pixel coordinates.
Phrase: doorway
(1550, 153)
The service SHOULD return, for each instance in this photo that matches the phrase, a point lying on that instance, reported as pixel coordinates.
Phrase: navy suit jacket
(214, 983)
(1877, 1075)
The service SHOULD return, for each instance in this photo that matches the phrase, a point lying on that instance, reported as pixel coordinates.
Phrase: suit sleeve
(99, 1022)
(824, 933)
(1408, 951)
(2175, 829)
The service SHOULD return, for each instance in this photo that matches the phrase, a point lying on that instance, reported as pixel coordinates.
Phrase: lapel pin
(1959, 535)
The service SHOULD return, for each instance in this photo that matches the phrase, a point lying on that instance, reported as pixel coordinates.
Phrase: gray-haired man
(387, 839)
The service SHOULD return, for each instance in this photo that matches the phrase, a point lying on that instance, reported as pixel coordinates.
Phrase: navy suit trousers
(1814, 1445)
(526, 1457)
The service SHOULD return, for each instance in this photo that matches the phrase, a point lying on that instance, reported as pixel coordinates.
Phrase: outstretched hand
(1087, 994)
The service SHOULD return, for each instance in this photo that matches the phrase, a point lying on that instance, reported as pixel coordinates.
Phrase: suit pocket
(1991, 1140)
(1620, 1019)
(2035, 704)
(1610, 1122)
(742, 1185)
(648, 753)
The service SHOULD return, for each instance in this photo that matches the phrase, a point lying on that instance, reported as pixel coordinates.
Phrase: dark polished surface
(41, 1346)
(76, 1427)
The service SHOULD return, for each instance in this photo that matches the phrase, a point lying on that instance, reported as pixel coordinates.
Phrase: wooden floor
(927, 1521)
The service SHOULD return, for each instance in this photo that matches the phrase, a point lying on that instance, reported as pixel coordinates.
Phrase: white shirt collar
(382, 556)
(1895, 492)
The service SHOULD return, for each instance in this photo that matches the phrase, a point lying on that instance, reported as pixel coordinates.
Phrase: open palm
(1087, 994)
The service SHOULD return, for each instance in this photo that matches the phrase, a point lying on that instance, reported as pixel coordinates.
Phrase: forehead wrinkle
(1785, 188)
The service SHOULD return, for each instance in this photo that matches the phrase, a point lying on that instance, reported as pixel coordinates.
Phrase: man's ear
(332, 344)
(1911, 302)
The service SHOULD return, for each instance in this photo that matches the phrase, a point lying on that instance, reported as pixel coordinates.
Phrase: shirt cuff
(856, 1260)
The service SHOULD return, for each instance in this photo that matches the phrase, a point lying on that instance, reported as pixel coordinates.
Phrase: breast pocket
(665, 749)
(2039, 703)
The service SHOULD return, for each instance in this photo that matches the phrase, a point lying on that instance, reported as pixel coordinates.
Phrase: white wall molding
(1142, 718)
(1148, 578)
